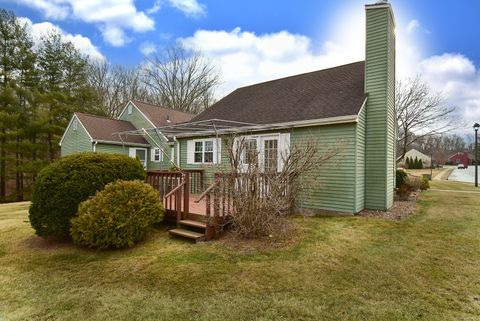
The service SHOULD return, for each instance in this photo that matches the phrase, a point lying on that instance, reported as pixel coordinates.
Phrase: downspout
(95, 146)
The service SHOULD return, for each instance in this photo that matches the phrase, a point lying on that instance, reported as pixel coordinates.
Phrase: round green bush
(118, 216)
(64, 184)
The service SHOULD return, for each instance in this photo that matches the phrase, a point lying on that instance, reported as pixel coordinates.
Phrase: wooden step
(197, 237)
(193, 223)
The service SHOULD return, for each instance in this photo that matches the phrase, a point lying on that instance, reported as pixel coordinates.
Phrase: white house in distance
(412, 153)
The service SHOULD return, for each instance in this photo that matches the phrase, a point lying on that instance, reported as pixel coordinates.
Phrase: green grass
(426, 267)
(451, 185)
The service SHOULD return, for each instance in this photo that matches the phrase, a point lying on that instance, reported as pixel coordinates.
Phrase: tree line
(43, 83)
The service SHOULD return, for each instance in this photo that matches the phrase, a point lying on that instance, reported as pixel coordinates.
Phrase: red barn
(461, 158)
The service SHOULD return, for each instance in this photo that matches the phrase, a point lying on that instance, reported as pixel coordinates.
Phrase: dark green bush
(118, 216)
(64, 184)
(400, 178)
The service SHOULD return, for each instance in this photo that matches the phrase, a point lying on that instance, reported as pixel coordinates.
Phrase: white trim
(69, 124)
(132, 152)
(131, 102)
(109, 142)
(285, 125)
(153, 151)
(216, 151)
(283, 148)
(362, 108)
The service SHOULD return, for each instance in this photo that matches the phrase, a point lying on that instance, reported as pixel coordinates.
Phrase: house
(350, 105)
(461, 158)
(353, 103)
(98, 134)
(413, 153)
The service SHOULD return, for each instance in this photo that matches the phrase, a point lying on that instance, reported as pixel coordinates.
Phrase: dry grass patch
(425, 267)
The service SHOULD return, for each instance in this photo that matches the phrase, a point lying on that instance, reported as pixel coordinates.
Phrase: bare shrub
(410, 184)
(263, 192)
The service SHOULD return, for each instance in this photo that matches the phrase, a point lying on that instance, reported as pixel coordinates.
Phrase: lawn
(426, 267)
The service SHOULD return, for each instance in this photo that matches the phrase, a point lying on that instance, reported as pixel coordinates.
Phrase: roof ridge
(100, 117)
(163, 107)
(299, 75)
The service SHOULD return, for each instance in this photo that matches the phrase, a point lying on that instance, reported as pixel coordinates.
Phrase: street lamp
(476, 127)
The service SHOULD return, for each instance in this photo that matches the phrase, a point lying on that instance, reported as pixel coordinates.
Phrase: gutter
(285, 125)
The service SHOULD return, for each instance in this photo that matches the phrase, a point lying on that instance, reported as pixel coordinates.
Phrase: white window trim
(283, 148)
(132, 152)
(217, 143)
(153, 152)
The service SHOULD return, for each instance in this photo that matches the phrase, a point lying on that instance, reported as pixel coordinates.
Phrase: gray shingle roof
(332, 92)
(158, 115)
(101, 128)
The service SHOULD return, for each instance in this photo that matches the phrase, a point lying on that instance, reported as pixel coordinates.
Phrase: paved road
(464, 175)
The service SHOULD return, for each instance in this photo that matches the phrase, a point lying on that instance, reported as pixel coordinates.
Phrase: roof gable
(160, 116)
(327, 93)
(102, 129)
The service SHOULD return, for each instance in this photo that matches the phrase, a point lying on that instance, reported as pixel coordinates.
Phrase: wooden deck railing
(165, 181)
(174, 188)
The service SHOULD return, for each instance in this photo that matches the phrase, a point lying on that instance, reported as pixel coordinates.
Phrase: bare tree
(263, 194)
(181, 80)
(420, 113)
(116, 85)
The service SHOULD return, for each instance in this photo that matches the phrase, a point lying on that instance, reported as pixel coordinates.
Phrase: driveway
(464, 175)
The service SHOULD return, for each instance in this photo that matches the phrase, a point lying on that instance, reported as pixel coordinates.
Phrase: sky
(252, 41)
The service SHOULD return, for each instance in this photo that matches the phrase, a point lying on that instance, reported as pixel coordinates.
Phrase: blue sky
(251, 41)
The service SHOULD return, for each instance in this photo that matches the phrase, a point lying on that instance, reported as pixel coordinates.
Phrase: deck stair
(190, 229)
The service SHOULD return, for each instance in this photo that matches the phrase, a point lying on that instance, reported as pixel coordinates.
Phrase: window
(208, 154)
(156, 155)
(140, 153)
(75, 124)
(270, 155)
(250, 153)
(267, 151)
(202, 151)
(198, 152)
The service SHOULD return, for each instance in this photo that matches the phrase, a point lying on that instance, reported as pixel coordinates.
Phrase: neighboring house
(99, 134)
(461, 158)
(413, 153)
(353, 103)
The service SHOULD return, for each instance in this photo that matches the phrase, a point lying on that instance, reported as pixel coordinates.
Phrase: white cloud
(52, 9)
(155, 8)
(245, 58)
(113, 17)
(190, 7)
(83, 44)
(458, 80)
(413, 25)
(147, 48)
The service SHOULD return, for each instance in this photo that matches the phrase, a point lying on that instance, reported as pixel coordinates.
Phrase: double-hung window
(202, 151)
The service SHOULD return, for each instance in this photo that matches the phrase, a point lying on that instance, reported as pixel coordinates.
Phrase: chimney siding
(380, 108)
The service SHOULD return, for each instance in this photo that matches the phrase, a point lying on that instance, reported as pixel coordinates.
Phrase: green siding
(380, 109)
(140, 121)
(360, 162)
(111, 148)
(76, 141)
(333, 188)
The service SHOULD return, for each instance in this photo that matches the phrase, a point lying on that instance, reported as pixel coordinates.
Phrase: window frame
(154, 155)
(203, 151)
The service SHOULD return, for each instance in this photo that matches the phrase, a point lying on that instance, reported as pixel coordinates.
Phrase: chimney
(380, 108)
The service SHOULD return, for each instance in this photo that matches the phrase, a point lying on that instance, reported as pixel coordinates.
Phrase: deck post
(186, 195)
